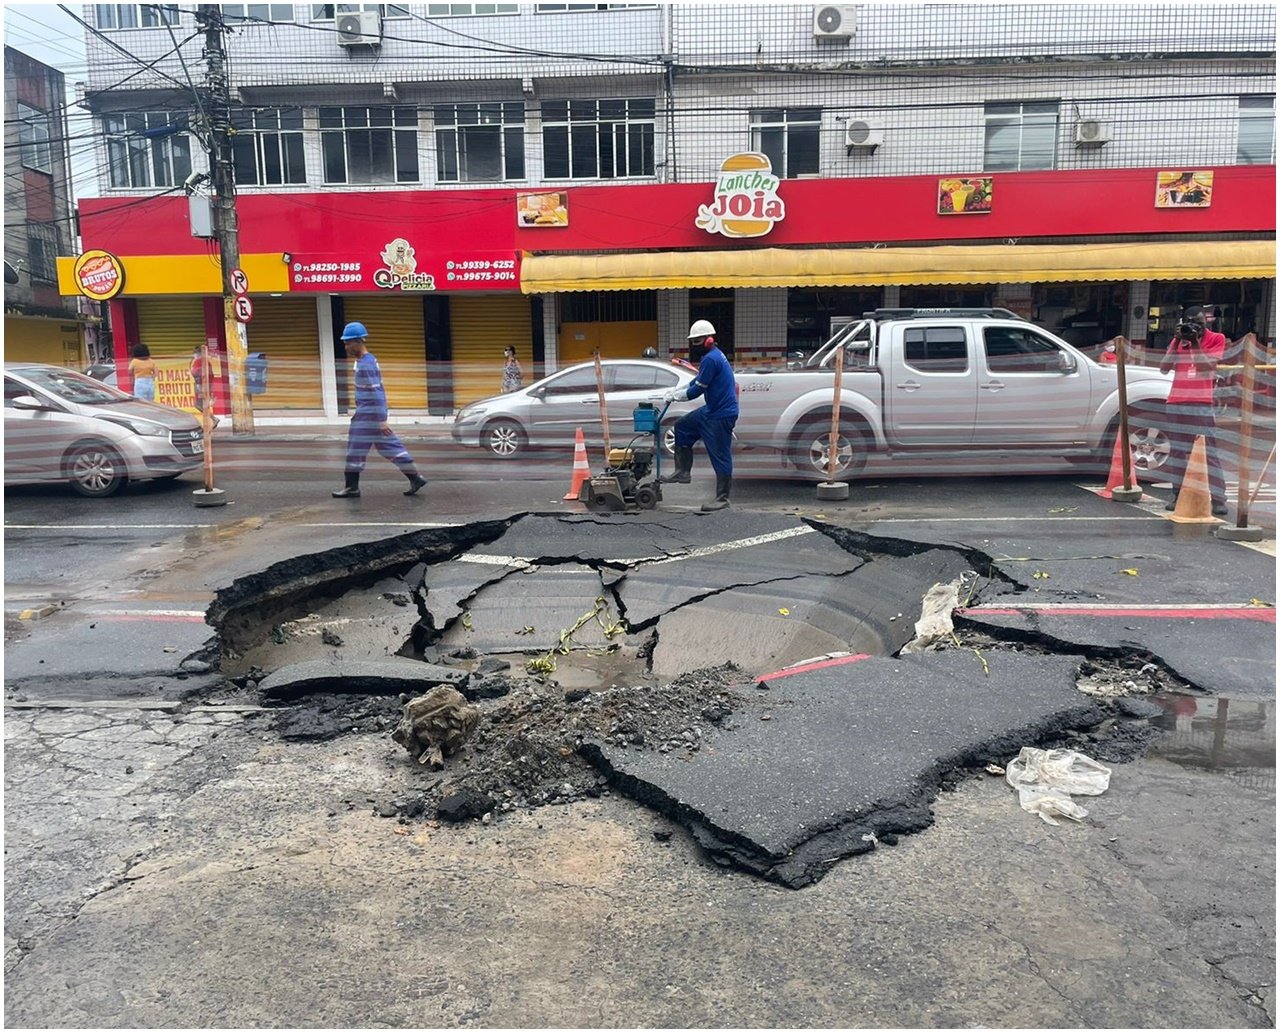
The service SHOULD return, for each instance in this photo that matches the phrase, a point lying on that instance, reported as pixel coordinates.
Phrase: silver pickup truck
(930, 386)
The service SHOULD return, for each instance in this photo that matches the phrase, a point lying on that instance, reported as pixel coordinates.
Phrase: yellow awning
(869, 267)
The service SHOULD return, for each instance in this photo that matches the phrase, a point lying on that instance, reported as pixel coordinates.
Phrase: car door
(628, 384)
(1032, 390)
(564, 403)
(932, 396)
(35, 440)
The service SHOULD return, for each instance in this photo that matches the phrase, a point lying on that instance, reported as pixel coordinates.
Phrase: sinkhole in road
(596, 652)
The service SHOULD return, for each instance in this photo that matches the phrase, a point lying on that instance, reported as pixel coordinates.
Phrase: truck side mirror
(1066, 362)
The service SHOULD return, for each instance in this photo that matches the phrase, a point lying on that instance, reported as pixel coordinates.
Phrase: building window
(559, 8)
(597, 139)
(1021, 136)
(369, 145)
(147, 149)
(1257, 139)
(33, 136)
(478, 143)
(789, 136)
(42, 252)
(135, 16)
(267, 147)
(465, 10)
(328, 12)
(258, 12)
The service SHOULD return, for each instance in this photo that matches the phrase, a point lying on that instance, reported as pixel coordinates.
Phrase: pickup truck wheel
(810, 448)
(1150, 447)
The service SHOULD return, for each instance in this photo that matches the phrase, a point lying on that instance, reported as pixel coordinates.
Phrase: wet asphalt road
(114, 590)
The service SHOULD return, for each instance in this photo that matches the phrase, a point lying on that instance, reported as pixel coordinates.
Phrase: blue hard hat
(354, 330)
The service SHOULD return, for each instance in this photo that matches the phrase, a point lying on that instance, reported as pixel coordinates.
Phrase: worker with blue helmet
(369, 427)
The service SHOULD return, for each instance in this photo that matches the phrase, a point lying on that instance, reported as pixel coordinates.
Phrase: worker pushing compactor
(713, 422)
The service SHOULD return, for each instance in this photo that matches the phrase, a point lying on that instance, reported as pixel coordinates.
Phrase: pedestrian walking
(142, 370)
(1193, 355)
(713, 422)
(512, 374)
(369, 427)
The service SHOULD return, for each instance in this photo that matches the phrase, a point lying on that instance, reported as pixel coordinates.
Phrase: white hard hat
(701, 328)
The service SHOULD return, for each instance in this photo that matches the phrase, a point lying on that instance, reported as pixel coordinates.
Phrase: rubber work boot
(721, 501)
(352, 490)
(416, 480)
(684, 467)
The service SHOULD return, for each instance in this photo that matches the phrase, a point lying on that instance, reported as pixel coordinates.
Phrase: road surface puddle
(1232, 736)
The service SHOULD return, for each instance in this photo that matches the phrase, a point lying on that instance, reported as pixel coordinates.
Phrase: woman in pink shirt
(1193, 355)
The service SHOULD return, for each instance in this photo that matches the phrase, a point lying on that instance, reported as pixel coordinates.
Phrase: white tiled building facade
(438, 97)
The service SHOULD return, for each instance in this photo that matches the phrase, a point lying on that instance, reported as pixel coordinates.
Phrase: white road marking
(198, 527)
(527, 562)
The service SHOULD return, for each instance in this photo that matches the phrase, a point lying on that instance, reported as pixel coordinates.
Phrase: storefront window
(1240, 306)
(369, 145)
(1085, 315)
(717, 307)
(812, 315)
(789, 136)
(597, 139)
(1021, 136)
(477, 143)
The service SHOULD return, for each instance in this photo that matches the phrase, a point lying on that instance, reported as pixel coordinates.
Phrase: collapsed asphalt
(795, 773)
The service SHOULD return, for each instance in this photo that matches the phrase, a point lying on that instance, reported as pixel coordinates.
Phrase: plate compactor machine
(626, 485)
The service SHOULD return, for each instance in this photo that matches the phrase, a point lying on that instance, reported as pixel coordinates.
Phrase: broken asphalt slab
(850, 751)
(1222, 651)
(862, 607)
(373, 677)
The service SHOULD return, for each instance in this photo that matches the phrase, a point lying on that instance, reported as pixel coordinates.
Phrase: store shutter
(481, 328)
(171, 327)
(397, 338)
(286, 331)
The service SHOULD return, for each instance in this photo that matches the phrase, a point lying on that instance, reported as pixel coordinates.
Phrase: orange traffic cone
(1115, 479)
(581, 468)
(1194, 505)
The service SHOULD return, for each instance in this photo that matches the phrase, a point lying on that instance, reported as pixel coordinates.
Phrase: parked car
(926, 386)
(60, 425)
(550, 411)
(105, 372)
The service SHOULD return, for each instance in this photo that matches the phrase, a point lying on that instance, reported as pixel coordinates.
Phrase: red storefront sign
(401, 267)
(464, 240)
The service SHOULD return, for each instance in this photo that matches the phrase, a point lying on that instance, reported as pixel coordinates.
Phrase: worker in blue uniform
(713, 422)
(369, 426)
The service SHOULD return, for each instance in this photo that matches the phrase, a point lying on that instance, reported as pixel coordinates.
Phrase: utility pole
(226, 225)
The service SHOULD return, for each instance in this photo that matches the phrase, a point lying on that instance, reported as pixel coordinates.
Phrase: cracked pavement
(235, 879)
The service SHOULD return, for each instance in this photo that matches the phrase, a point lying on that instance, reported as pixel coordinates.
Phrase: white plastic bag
(1046, 779)
(935, 624)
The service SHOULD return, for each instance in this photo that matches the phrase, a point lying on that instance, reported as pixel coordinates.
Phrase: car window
(574, 382)
(936, 349)
(73, 387)
(641, 378)
(1012, 349)
(12, 390)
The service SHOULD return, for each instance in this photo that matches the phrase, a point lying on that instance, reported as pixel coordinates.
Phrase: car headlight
(471, 412)
(143, 427)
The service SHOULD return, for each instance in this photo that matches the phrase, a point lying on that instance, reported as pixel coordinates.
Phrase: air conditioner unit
(363, 29)
(862, 135)
(834, 22)
(1092, 133)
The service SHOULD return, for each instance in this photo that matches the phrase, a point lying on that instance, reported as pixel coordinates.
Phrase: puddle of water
(1232, 736)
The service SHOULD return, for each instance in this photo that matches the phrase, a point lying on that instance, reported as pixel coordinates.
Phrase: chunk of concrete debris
(465, 805)
(376, 677)
(436, 725)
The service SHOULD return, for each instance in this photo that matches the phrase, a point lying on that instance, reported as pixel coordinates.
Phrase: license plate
(197, 448)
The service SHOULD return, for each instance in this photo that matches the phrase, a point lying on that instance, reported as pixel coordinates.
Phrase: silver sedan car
(550, 411)
(60, 425)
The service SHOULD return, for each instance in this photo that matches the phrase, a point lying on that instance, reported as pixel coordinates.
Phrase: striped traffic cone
(581, 469)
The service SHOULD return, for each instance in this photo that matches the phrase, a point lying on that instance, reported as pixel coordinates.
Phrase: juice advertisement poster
(964, 195)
